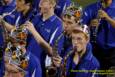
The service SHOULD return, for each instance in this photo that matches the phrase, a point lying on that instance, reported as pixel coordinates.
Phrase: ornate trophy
(15, 48)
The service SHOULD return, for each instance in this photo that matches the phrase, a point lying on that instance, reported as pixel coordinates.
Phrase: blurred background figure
(59, 7)
(101, 16)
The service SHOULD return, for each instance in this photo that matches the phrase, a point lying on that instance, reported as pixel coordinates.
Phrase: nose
(75, 48)
(75, 43)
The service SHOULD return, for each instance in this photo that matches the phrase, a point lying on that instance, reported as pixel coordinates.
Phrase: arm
(6, 25)
(111, 21)
(103, 14)
(38, 38)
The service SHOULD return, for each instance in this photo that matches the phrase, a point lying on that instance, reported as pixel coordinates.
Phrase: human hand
(94, 23)
(30, 27)
(57, 61)
(102, 14)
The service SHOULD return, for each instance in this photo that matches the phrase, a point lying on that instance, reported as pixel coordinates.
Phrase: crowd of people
(57, 38)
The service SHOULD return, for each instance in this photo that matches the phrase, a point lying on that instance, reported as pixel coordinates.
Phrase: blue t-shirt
(17, 19)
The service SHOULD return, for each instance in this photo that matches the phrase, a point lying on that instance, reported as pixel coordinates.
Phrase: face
(45, 6)
(79, 41)
(7, 1)
(108, 2)
(20, 5)
(68, 24)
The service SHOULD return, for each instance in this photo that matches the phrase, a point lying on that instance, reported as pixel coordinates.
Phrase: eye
(79, 38)
(69, 22)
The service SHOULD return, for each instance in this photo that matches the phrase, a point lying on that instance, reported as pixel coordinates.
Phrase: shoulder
(92, 7)
(36, 19)
(12, 17)
(58, 21)
(89, 64)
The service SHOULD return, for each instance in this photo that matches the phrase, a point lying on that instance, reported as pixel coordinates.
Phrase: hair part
(52, 1)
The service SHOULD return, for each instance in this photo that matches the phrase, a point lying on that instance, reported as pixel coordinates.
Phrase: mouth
(75, 48)
(43, 11)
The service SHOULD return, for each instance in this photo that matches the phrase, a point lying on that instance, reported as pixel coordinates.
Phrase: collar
(52, 18)
(88, 55)
(13, 3)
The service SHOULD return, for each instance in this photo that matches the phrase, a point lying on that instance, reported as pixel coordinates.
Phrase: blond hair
(52, 1)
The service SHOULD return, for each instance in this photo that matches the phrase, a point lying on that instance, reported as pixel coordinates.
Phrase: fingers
(94, 22)
(57, 61)
(29, 26)
(102, 14)
(11, 67)
(28, 22)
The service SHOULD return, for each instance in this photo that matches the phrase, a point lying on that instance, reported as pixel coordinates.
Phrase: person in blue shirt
(23, 63)
(49, 26)
(26, 14)
(33, 69)
(101, 15)
(8, 6)
(81, 57)
(60, 6)
(21, 15)
(32, 45)
(71, 18)
(70, 21)
(5, 7)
